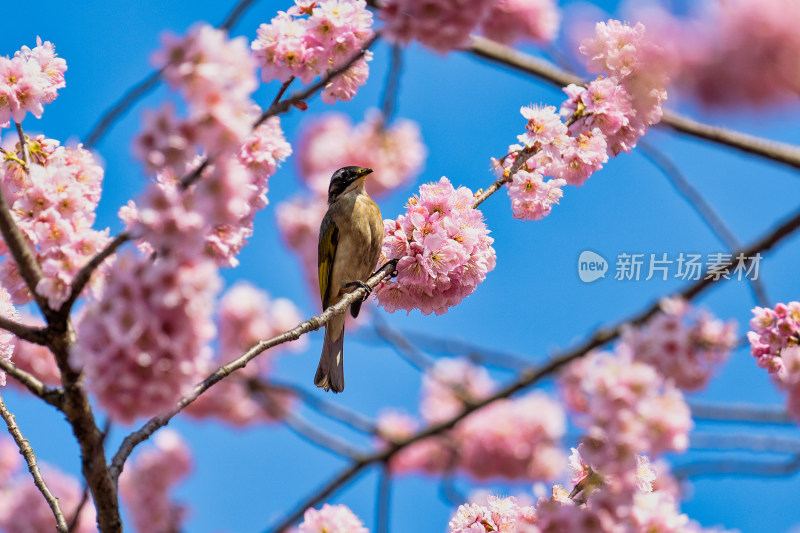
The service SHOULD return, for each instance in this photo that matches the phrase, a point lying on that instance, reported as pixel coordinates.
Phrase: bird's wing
(328, 241)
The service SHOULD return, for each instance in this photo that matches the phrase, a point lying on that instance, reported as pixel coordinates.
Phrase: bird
(350, 238)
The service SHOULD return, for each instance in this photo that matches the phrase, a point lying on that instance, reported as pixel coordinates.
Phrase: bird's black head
(343, 178)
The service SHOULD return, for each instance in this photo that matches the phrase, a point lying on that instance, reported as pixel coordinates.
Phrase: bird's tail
(330, 372)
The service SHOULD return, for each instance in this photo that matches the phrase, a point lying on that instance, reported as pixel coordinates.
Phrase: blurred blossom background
(732, 63)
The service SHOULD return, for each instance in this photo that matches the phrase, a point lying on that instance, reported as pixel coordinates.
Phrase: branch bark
(30, 458)
(779, 152)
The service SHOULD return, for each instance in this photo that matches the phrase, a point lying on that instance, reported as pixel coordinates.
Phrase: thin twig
(27, 452)
(740, 412)
(32, 334)
(85, 274)
(738, 467)
(23, 143)
(348, 417)
(392, 87)
(744, 442)
(299, 425)
(779, 152)
(282, 91)
(417, 358)
(54, 397)
(703, 208)
(322, 439)
(522, 156)
(383, 500)
(141, 89)
(235, 14)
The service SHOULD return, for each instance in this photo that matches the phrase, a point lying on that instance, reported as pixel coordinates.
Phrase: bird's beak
(364, 171)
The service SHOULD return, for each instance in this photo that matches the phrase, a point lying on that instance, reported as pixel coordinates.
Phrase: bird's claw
(360, 284)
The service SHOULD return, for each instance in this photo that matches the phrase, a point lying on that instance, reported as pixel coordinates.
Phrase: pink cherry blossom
(775, 343)
(544, 125)
(144, 344)
(510, 439)
(214, 217)
(24, 510)
(447, 250)
(294, 46)
(54, 206)
(716, 54)
(500, 514)
(394, 151)
(29, 80)
(147, 481)
(516, 20)
(331, 519)
(531, 197)
(685, 346)
(7, 339)
(628, 408)
(443, 25)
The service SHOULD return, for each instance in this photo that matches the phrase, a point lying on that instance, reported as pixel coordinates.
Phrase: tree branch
(23, 256)
(54, 397)
(383, 500)
(28, 333)
(740, 412)
(27, 452)
(84, 275)
(703, 208)
(348, 417)
(784, 153)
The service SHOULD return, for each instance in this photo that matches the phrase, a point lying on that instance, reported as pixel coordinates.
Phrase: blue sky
(533, 304)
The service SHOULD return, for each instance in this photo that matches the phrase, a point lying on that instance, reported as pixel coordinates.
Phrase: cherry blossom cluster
(147, 481)
(717, 54)
(144, 344)
(312, 37)
(216, 76)
(511, 439)
(499, 514)
(331, 519)
(23, 508)
(394, 151)
(446, 25)
(598, 120)
(775, 343)
(29, 80)
(245, 316)
(214, 217)
(8, 341)
(627, 408)
(443, 250)
(684, 346)
(53, 204)
(592, 505)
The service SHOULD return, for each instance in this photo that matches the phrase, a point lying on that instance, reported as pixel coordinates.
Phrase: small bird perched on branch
(350, 239)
